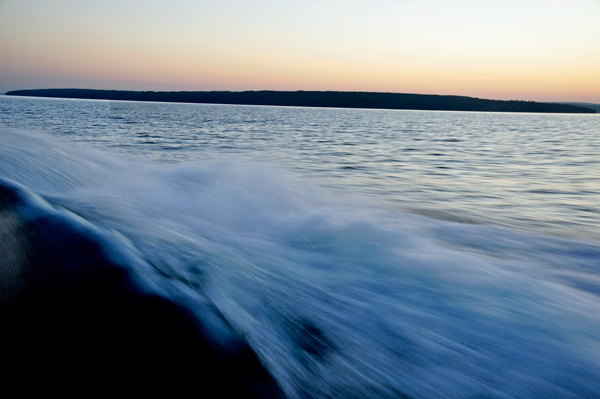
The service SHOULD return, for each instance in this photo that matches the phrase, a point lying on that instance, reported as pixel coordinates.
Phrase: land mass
(332, 99)
(595, 107)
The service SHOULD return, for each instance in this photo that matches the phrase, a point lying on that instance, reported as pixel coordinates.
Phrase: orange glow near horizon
(163, 48)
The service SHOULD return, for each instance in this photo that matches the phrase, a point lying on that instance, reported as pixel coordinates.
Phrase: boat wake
(285, 289)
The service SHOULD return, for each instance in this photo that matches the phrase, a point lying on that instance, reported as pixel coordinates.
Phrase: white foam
(390, 302)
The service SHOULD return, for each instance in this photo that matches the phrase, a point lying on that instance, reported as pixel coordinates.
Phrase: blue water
(437, 254)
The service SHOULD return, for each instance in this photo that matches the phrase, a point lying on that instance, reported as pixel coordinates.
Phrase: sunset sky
(524, 50)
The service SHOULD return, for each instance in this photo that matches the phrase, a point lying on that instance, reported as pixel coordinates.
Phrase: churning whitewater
(337, 297)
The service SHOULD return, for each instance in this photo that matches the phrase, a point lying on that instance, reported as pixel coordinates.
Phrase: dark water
(363, 253)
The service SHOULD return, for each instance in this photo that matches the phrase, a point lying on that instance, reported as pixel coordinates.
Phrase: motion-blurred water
(363, 253)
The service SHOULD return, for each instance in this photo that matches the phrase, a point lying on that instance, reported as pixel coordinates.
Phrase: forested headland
(333, 99)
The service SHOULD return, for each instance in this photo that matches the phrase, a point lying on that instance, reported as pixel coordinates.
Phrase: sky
(510, 49)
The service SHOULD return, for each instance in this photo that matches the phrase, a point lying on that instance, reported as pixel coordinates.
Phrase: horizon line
(305, 91)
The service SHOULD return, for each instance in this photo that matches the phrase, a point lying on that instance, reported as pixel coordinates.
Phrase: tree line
(333, 99)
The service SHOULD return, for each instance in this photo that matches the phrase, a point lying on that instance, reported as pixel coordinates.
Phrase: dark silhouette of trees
(333, 99)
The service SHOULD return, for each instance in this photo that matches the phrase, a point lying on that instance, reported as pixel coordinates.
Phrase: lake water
(539, 172)
(438, 254)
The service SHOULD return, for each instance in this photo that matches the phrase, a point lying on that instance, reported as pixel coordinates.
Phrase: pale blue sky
(529, 49)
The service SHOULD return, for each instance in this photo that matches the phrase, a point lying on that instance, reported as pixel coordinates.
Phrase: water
(426, 254)
(530, 171)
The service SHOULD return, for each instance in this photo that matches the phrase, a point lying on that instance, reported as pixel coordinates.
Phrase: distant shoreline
(330, 99)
